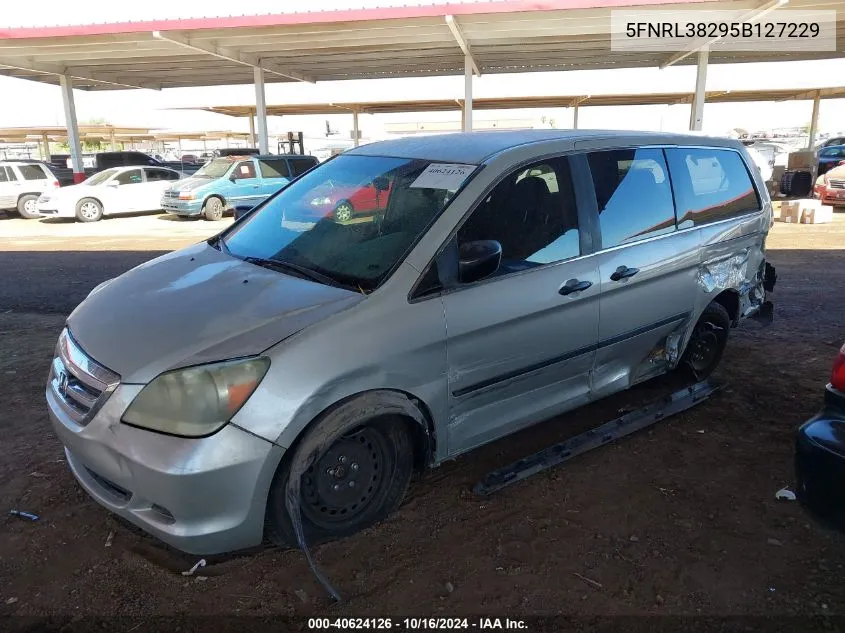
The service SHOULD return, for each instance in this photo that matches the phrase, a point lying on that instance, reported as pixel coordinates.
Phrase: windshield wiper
(302, 271)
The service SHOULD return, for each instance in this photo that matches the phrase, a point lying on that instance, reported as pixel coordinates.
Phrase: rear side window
(710, 184)
(299, 166)
(633, 193)
(32, 172)
(161, 174)
(274, 168)
(4, 177)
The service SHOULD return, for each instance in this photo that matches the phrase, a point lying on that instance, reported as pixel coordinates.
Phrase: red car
(831, 186)
(344, 202)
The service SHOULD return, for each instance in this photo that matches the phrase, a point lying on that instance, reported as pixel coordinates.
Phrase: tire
(28, 206)
(707, 342)
(344, 211)
(213, 209)
(89, 210)
(335, 451)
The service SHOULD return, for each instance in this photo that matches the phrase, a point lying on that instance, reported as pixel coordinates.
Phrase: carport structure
(467, 37)
(575, 102)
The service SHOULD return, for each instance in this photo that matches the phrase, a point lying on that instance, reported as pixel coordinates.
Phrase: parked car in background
(820, 454)
(106, 160)
(191, 159)
(832, 140)
(21, 183)
(830, 157)
(232, 181)
(235, 151)
(830, 187)
(110, 192)
(512, 276)
(761, 162)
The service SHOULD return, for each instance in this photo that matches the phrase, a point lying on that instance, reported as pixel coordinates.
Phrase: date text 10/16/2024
(417, 624)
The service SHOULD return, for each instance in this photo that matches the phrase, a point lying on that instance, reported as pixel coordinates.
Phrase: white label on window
(245, 169)
(443, 176)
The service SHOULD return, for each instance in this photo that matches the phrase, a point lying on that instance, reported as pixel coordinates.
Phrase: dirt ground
(678, 520)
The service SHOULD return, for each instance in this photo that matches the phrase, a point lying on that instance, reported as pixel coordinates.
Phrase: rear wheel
(89, 210)
(213, 209)
(353, 479)
(28, 206)
(707, 343)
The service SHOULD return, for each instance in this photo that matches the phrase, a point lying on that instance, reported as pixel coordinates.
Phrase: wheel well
(729, 300)
(214, 195)
(424, 439)
(97, 200)
(29, 193)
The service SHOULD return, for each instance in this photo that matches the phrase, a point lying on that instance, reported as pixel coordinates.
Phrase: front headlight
(319, 202)
(196, 401)
(186, 195)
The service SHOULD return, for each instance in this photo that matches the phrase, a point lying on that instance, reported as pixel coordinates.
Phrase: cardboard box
(790, 211)
(819, 215)
(776, 204)
(802, 160)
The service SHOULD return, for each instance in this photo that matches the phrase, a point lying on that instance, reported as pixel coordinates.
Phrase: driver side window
(532, 213)
(244, 169)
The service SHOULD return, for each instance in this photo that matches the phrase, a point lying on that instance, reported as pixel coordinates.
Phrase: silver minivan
(304, 367)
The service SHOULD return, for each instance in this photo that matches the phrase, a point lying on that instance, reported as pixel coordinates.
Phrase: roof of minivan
(475, 147)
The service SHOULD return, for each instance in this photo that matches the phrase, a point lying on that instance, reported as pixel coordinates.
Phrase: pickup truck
(105, 160)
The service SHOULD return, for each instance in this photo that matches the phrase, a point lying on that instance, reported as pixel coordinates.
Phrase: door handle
(623, 272)
(573, 285)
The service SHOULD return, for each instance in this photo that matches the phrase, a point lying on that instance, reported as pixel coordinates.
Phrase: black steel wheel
(707, 342)
(352, 476)
(350, 482)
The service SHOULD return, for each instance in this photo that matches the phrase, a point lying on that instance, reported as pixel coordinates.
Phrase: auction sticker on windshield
(446, 176)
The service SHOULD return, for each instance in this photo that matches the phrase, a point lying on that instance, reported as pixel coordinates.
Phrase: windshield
(351, 219)
(101, 177)
(214, 169)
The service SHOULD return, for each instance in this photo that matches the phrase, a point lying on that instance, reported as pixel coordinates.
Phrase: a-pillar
(72, 128)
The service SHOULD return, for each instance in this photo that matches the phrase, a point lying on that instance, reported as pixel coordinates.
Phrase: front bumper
(181, 207)
(202, 496)
(820, 462)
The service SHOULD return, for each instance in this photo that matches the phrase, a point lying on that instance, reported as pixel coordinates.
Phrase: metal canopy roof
(514, 103)
(501, 36)
(105, 132)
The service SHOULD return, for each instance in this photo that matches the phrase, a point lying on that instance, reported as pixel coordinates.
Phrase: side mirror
(233, 177)
(381, 183)
(479, 259)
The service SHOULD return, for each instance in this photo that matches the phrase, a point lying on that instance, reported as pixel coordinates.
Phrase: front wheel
(28, 206)
(213, 209)
(707, 342)
(89, 210)
(347, 483)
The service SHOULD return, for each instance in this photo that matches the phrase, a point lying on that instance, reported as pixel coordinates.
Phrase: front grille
(836, 184)
(79, 383)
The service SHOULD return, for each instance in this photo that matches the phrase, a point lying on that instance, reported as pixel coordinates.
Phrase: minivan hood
(191, 183)
(193, 306)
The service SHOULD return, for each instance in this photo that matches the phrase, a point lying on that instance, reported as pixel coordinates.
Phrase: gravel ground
(680, 520)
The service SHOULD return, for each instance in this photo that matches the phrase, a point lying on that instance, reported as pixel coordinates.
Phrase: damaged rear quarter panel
(732, 258)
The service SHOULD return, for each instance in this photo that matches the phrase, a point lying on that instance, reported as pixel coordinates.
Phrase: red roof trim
(325, 17)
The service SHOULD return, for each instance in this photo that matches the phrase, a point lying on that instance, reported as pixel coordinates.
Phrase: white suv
(21, 184)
